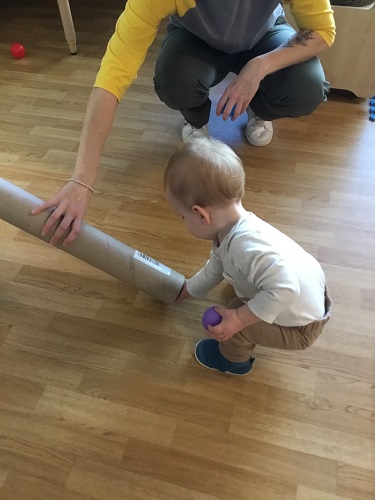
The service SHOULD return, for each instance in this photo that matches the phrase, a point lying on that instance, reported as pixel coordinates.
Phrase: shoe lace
(194, 131)
(258, 122)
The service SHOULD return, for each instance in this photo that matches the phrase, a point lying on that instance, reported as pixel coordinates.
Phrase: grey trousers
(187, 68)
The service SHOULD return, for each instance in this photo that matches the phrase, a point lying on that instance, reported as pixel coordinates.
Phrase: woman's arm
(71, 201)
(135, 31)
(316, 33)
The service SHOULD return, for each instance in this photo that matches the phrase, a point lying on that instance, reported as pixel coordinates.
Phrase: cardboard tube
(94, 247)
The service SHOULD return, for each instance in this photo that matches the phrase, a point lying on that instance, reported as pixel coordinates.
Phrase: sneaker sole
(258, 144)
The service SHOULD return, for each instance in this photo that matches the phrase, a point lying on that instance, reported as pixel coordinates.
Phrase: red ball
(17, 50)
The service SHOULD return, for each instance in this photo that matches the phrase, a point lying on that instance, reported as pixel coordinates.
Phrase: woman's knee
(310, 91)
(294, 91)
(179, 88)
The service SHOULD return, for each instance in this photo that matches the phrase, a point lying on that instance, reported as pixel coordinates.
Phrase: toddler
(282, 300)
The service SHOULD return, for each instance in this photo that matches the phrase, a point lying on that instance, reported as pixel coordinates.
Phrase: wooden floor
(100, 395)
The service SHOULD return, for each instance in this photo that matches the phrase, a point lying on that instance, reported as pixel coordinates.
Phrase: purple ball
(211, 317)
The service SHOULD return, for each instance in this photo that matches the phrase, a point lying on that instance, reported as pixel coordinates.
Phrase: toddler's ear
(203, 213)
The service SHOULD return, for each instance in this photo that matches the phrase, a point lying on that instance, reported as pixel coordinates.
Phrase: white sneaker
(258, 132)
(190, 133)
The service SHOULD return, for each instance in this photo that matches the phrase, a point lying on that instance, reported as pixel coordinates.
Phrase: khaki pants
(240, 347)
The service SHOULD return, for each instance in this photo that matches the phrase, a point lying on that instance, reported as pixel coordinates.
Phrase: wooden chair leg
(67, 22)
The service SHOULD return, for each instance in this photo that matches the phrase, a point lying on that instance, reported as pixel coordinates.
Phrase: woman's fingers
(74, 231)
(69, 209)
(43, 206)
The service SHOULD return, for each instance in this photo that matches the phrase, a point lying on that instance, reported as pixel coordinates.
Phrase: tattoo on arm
(300, 38)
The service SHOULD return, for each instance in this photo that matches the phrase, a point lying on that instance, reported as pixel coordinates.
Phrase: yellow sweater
(138, 25)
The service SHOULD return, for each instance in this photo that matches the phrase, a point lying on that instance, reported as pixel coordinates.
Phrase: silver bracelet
(82, 184)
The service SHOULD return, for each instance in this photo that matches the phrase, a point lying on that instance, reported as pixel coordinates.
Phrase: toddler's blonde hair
(205, 172)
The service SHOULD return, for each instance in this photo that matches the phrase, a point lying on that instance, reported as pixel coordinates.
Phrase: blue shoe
(208, 354)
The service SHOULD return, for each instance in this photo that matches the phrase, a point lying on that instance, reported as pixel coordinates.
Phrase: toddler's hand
(184, 294)
(229, 326)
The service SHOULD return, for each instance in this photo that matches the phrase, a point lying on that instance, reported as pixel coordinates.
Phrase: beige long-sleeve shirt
(280, 282)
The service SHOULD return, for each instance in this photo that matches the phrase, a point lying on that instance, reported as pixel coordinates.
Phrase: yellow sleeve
(316, 15)
(135, 31)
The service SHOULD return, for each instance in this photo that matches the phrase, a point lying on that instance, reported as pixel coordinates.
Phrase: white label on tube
(152, 262)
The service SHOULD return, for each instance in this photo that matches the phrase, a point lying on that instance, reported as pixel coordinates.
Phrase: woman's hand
(241, 90)
(300, 47)
(69, 205)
